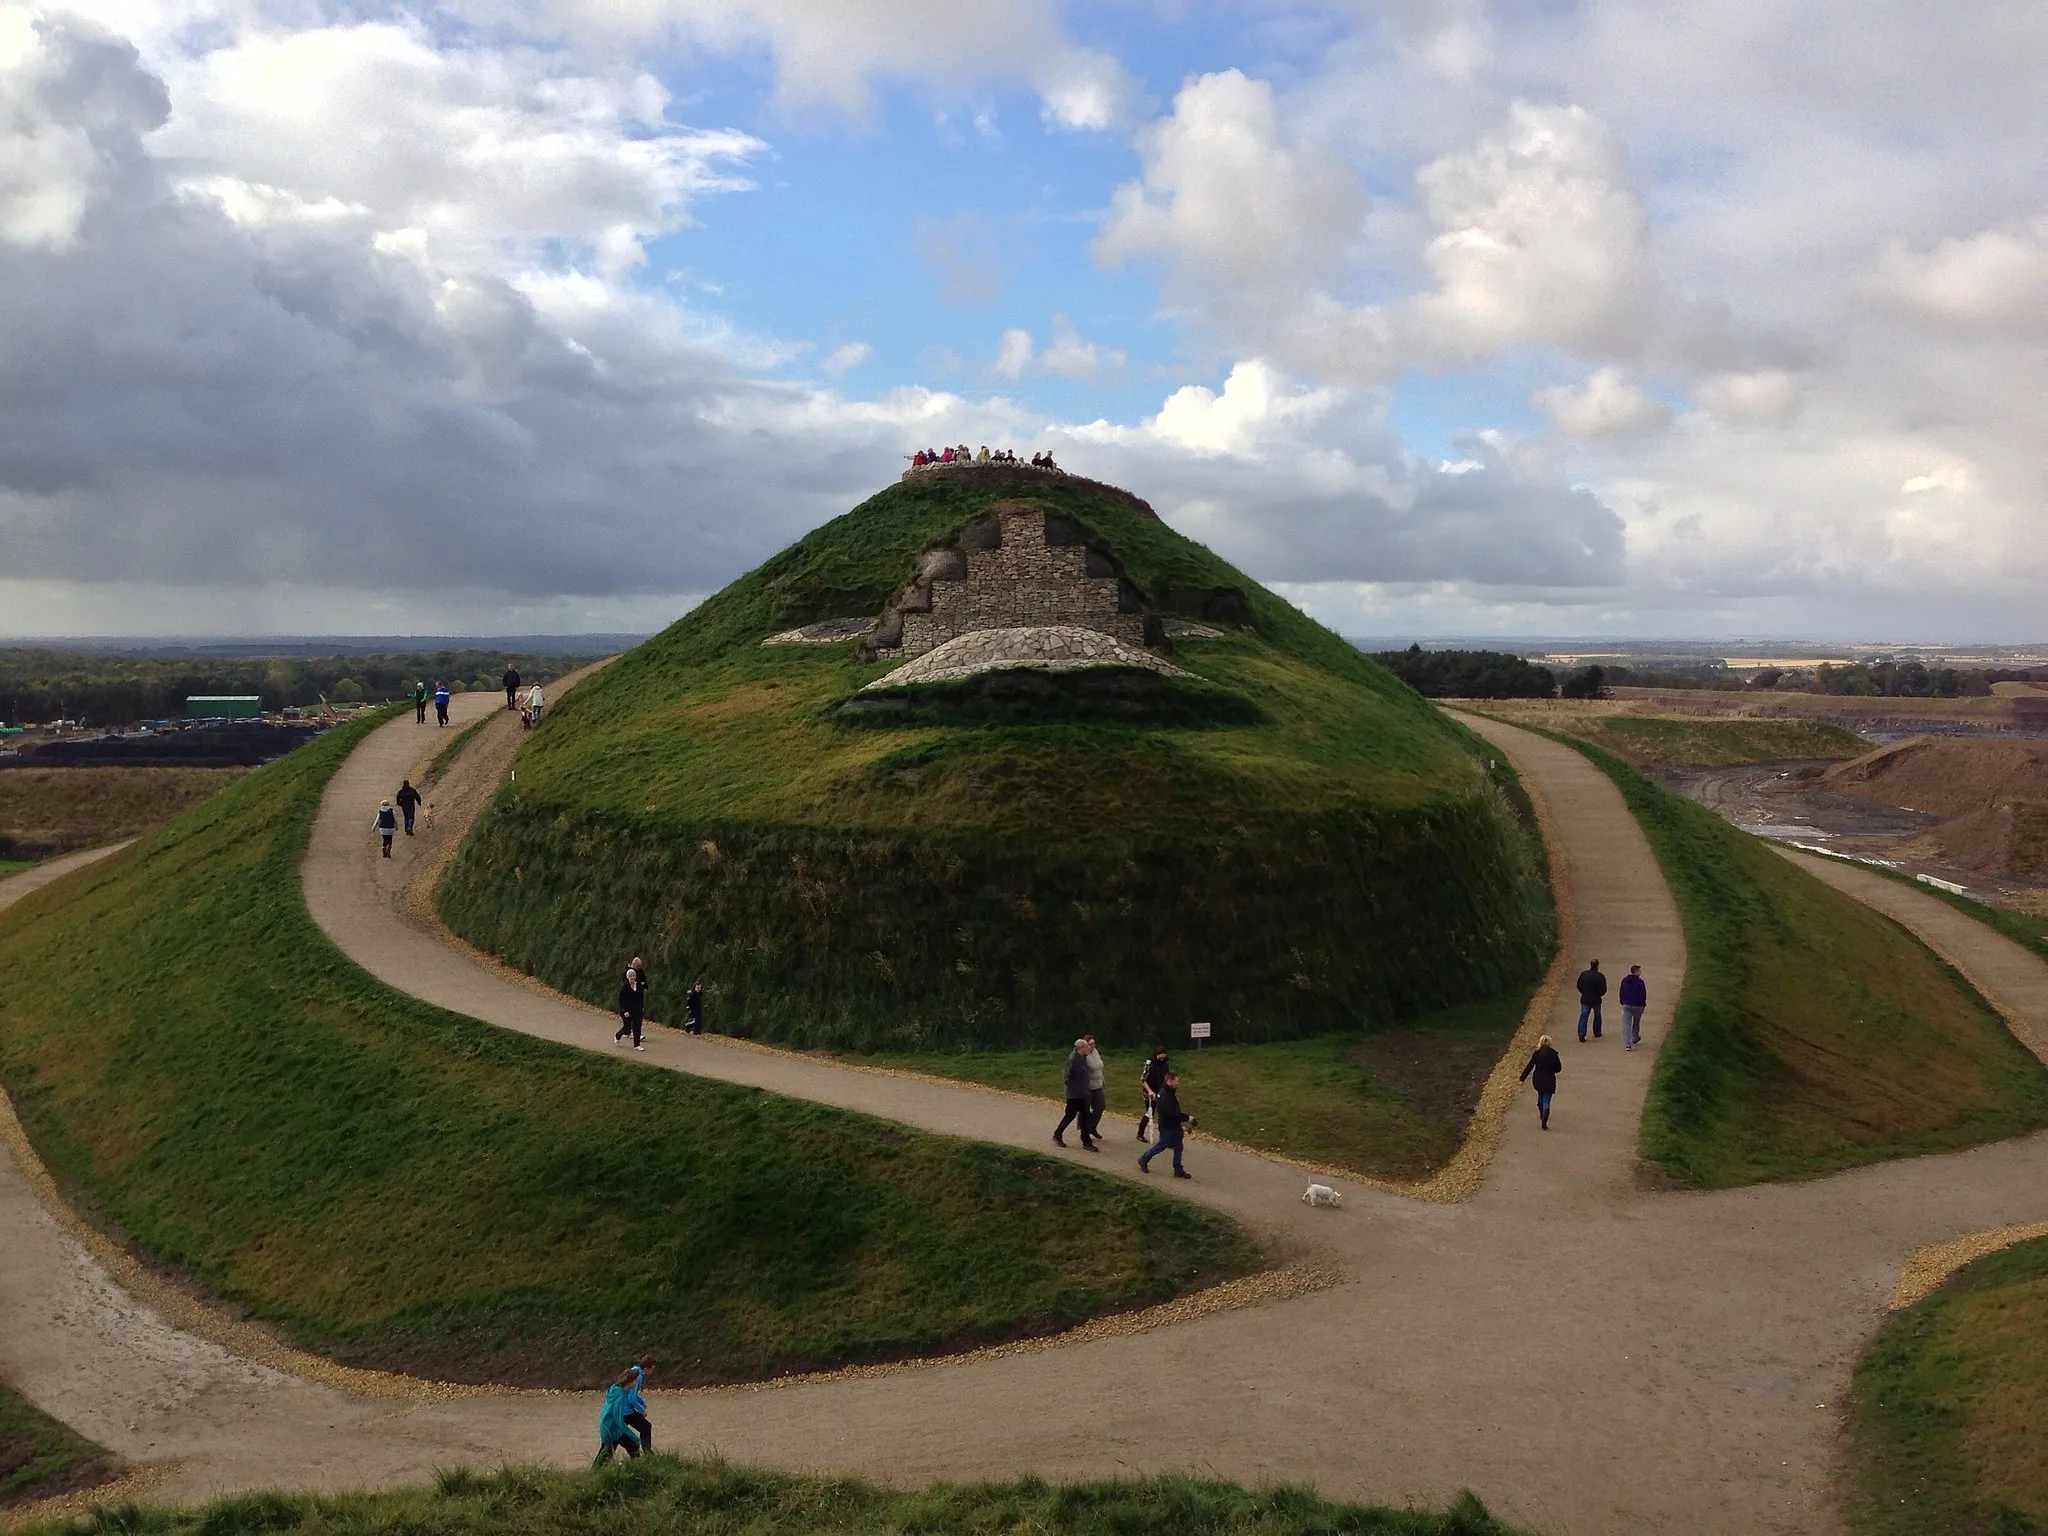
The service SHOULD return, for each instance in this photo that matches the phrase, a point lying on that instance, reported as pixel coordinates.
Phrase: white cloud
(1606, 404)
(1083, 89)
(1767, 397)
(1995, 280)
(1255, 400)
(1013, 353)
(850, 354)
(1068, 354)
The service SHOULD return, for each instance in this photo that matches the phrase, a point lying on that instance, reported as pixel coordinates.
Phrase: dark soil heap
(1285, 841)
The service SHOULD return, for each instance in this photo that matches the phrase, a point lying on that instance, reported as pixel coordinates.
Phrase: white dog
(1321, 1194)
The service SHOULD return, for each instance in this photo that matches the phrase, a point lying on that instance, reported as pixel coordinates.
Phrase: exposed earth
(1587, 1354)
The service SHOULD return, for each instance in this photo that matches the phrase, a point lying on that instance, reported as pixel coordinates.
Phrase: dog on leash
(1321, 1194)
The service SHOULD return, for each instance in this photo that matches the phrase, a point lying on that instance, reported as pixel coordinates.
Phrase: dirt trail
(1586, 1356)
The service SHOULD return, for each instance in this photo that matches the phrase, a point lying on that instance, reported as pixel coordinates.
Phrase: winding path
(1587, 1356)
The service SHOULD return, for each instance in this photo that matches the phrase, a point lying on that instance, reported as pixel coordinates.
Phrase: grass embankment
(46, 811)
(662, 1496)
(873, 884)
(397, 1186)
(1813, 1034)
(1679, 741)
(1948, 1407)
(40, 1457)
(2026, 929)
(1393, 1104)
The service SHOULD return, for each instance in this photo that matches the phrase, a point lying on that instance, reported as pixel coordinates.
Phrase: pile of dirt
(1947, 775)
(2009, 838)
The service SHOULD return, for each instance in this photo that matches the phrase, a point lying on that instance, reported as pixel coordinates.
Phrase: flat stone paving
(1585, 1355)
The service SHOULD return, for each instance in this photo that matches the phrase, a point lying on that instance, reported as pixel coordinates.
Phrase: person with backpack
(1150, 1081)
(408, 803)
(1074, 1079)
(1543, 1064)
(441, 702)
(613, 1432)
(1173, 1124)
(387, 825)
(632, 1009)
(1592, 987)
(1635, 997)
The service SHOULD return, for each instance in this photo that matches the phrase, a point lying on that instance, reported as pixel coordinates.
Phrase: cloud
(1605, 405)
(964, 252)
(1013, 354)
(1767, 397)
(1068, 354)
(1996, 280)
(850, 354)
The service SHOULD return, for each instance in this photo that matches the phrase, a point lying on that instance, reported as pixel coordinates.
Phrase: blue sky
(1445, 316)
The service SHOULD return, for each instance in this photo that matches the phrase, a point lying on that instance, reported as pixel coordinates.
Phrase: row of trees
(1488, 675)
(109, 691)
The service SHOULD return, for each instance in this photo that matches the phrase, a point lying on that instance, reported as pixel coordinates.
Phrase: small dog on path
(1321, 1194)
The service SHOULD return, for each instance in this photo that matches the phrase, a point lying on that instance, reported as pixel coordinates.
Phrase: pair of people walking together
(1083, 1080)
(1544, 1064)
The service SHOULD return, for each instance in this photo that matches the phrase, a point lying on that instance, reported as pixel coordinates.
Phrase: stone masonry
(1015, 569)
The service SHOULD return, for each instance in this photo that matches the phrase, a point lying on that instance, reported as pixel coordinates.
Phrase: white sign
(1198, 1031)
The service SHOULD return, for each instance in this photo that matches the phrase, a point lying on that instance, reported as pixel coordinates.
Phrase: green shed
(223, 706)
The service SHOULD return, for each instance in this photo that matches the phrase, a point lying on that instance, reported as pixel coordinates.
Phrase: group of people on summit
(924, 458)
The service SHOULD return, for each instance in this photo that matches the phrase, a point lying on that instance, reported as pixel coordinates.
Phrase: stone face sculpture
(1017, 568)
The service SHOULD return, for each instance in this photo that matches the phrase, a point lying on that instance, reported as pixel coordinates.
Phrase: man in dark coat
(511, 686)
(1173, 1124)
(408, 800)
(1074, 1080)
(632, 1008)
(1592, 987)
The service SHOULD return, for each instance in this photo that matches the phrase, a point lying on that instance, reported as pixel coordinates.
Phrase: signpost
(1198, 1033)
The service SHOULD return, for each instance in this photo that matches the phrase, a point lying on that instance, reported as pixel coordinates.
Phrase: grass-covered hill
(1289, 842)
(397, 1186)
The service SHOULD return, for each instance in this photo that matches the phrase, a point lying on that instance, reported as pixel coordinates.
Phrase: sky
(1439, 316)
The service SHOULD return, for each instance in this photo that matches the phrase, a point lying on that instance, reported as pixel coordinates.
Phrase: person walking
(632, 1009)
(613, 1432)
(1592, 987)
(1543, 1064)
(1150, 1081)
(419, 702)
(511, 687)
(1173, 1124)
(1074, 1078)
(387, 825)
(441, 703)
(636, 1403)
(1098, 1089)
(1635, 997)
(408, 804)
(693, 1008)
(533, 704)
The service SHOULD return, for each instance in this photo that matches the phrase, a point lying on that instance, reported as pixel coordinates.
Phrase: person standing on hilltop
(419, 702)
(408, 800)
(1098, 1089)
(1173, 1124)
(632, 1009)
(441, 703)
(1149, 1083)
(1074, 1079)
(1543, 1064)
(511, 687)
(1635, 997)
(386, 825)
(1592, 987)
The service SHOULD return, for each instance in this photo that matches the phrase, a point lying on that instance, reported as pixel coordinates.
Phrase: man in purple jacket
(1634, 998)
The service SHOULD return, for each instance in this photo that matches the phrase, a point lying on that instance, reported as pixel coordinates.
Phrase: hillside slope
(1285, 842)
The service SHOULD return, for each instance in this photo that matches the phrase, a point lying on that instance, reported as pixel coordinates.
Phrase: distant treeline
(1871, 680)
(1487, 675)
(97, 689)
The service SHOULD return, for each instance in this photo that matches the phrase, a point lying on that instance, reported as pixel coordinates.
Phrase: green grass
(662, 1496)
(1682, 741)
(1273, 845)
(1813, 1034)
(1949, 1403)
(2023, 928)
(1393, 1104)
(444, 756)
(15, 866)
(40, 1456)
(45, 811)
(395, 1185)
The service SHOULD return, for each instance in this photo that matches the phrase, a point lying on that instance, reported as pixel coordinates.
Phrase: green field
(661, 1496)
(1682, 741)
(46, 811)
(1949, 1405)
(393, 1185)
(40, 1457)
(1393, 1104)
(1813, 1034)
(1293, 844)
(15, 866)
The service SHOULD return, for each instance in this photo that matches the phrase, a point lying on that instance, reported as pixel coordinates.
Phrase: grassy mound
(1681, 741)
(661, 1496)
(1813, 1033)
(379, 1180)
(1948, 1404)
(1288, 843)
(40, 1457)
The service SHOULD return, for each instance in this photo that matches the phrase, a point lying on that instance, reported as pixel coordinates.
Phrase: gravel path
(1586, 1355)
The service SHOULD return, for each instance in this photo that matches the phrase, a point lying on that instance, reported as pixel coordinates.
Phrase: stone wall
(1013, 570)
